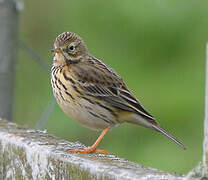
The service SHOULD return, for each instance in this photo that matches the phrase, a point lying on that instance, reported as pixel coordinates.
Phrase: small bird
(92, 93)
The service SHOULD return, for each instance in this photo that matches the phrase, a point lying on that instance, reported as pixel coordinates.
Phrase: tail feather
(164, 132)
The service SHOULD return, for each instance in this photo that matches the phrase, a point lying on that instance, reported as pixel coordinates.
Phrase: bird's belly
(89, 115)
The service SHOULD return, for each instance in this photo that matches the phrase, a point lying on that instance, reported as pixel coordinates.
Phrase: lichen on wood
(29, 154)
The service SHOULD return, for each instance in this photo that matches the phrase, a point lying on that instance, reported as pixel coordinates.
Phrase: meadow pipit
(92, 93)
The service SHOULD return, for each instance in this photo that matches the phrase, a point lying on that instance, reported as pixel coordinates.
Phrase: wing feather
(104, 83)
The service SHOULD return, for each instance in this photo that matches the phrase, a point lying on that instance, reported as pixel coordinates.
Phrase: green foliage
(157, 46)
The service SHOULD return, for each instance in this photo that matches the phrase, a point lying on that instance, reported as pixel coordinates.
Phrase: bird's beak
(56, 50)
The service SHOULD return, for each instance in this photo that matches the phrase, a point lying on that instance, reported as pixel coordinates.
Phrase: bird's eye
(71, 47)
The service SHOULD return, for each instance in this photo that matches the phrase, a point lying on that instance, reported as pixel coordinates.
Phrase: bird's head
(68, 48)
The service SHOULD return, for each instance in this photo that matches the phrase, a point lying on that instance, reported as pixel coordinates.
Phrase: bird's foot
(88, 150)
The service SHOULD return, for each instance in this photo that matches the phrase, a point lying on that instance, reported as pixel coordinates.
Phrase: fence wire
(40, 125)
(33, 55)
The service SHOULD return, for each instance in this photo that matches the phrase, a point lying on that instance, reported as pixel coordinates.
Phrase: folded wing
(104, 83)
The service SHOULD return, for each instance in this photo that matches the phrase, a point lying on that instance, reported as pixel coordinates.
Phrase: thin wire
(52, 103)
(45, 115)
(31, 53)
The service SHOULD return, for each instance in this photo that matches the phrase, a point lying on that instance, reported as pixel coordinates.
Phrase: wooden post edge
(31, 154)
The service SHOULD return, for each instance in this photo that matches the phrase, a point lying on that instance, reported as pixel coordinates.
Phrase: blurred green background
(157, 46)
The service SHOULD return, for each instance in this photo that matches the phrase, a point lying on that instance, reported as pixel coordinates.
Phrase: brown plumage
(92, 93)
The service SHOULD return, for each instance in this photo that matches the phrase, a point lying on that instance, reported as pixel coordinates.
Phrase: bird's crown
(66, 37)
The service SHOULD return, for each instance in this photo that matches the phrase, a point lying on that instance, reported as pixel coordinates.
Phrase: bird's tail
(152, 124)
(164, 132)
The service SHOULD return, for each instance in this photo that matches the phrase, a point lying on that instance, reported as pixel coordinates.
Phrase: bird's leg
(93, 148)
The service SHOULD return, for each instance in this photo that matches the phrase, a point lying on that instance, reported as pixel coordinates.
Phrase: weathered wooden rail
(29, 154)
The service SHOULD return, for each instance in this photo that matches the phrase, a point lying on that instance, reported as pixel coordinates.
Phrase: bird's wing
(102, 82)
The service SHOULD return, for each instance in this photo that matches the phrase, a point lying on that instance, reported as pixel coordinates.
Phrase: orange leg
(93, 148)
